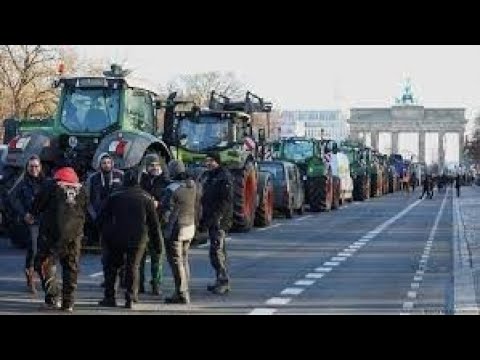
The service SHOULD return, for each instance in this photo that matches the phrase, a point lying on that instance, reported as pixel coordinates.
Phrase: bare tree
(26, 75)
(26, 72)
(198, 87)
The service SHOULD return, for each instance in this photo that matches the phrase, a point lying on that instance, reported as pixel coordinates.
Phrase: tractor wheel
(301, 209)
(321, 194)
(264, 213)
(373, 185)
(336, 193)
(244, 198)
(367, 189)
(359, 189)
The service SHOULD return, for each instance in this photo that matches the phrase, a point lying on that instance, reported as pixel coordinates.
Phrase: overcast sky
(319, 76)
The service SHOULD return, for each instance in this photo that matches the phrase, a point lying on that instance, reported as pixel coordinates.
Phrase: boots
(29, 274)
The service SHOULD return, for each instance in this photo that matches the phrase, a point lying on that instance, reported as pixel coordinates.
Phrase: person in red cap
(62, 203)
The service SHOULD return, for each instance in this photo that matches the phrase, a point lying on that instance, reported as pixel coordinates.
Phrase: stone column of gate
(441, 150)
(394, 142)
(461, 144)
(421, 146)
(375, 135)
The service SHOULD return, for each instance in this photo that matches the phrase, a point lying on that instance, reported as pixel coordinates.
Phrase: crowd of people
(150, 210)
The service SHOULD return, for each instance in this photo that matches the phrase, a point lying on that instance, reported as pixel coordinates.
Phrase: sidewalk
(466, 245)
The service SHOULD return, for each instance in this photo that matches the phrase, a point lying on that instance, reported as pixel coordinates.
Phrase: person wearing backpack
(62, 203)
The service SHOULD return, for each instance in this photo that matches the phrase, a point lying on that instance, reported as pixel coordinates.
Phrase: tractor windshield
(90, 110)
(208, 133)
(297, 150)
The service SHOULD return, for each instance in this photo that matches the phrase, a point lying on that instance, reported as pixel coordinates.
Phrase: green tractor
(359, 157)
(225, 127)
(377, 175)
(387, 174)
(111, 113)
(310, 156)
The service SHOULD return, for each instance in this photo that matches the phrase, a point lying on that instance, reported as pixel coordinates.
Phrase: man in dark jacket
(63, 203)
(154, 181)
(127, 223)
(458, 184)
(21, 200)
(427, 187)
(217, 213)
(99, 186)
(179, 207)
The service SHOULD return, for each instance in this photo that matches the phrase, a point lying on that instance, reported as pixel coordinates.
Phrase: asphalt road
(391, 255)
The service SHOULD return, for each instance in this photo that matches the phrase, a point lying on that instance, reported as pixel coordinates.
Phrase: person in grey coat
(179, 207)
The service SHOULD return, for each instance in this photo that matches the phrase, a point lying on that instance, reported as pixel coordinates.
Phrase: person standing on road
(427, 187)
(217, 213)
(179, 206)
(63, 203)
(99, 186)
(21, 200)
(127, 222)
(154, 182)
(458, 184)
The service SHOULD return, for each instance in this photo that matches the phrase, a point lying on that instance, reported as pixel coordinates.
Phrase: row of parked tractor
(117, 114)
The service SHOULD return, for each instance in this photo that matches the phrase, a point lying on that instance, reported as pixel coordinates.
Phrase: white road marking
(320, 271)
(262, 311)
(269, 227)
(203, 246)
(97, 274)
(304, 282)
(412, 294)
(323, 269)
(345, 254)
(303, 218)
(278, 301)
(292, 291)
(408, 305)
(424, 258)
(314, 275)
(331, 263)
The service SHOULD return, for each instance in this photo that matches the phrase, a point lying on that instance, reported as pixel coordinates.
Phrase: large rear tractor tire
(374, 186)
(264, 213)
(244, 198)
(359, 189)
(321, 193)
(336, 193)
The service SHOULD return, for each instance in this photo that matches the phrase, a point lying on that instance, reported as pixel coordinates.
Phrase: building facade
(330, 124)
